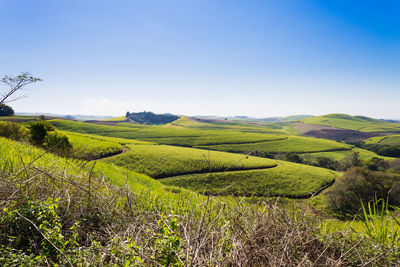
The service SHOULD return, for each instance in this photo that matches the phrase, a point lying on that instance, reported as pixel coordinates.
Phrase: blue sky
(205, 57)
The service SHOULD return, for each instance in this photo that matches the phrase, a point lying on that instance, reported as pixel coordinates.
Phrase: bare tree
(16, 84)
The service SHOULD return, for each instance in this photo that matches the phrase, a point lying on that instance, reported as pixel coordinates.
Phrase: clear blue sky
(198, 57)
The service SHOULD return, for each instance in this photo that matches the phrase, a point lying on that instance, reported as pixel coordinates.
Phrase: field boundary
(160, 177)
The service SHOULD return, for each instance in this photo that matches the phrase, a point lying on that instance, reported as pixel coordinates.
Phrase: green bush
(34, 226)
(57, 142)
(376, 164)
(350, 161)
(39, 131)
(359, 184)
(6, 110)
(13, 131)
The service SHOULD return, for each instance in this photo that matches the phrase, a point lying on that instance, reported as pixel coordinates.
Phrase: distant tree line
(147, 117)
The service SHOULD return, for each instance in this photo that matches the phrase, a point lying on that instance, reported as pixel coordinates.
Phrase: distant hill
(266, 119)
(150, 118)
(78, 117)
(357, 123)
(286, 119)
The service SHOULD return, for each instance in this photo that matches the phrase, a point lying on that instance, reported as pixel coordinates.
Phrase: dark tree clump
(6, 110)
(362, 185)
(57, 142)
(39, 131)
(151, 118)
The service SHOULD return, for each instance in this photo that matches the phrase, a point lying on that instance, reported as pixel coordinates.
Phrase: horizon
(228, 58)
(191, 116)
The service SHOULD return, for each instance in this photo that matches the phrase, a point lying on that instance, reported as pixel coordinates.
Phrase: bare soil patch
(332, 133)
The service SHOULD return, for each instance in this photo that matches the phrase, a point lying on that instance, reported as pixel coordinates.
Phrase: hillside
(356, 123)
(112, 198)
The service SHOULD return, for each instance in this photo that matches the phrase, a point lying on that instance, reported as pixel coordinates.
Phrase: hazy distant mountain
(74, 117)
(267, 119)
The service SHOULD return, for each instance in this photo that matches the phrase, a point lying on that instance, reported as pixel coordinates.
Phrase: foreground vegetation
(57, 211)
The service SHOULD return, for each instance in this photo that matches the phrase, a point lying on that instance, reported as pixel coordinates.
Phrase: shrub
(359, 184)
(13, 130)
(292, 157)
(6, 110)
(350, 161)
(57, 142)
(39, 130)
(376, 164)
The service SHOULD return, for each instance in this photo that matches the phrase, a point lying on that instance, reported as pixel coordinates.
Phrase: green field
(292, 144)
(91, 128)
(15, 157)
(89, 148)
(358, 123)
(287, 179)
(165, 135)
(163, 161)
(339, 155)
(390, 140)
(236, 126)
(19, 118)
(117, 119)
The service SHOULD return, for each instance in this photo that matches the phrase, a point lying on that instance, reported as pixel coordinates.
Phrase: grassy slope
(359, 123)
(391, 140)
(87, 147)
(288, 179)
(338, 155)
(163, 161)
(121, 118)
(185, 122)
(164, 135)
(15, 156)
(295, 144)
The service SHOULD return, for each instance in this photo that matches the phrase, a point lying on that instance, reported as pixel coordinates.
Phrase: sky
(204, 57)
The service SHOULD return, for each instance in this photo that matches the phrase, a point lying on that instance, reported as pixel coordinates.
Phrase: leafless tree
(16, 84)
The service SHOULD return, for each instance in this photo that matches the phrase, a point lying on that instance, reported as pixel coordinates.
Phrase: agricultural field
(390, 140)
(236, 126)
(117, 119)
(89, 148)
(160, 161)
(19, 118)
(15, 157)
(165, 135)
(292, 144)
(358, 123)
(384, 145)
(286, 179)
(217, 140)
(339, 155)
(91, 128)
